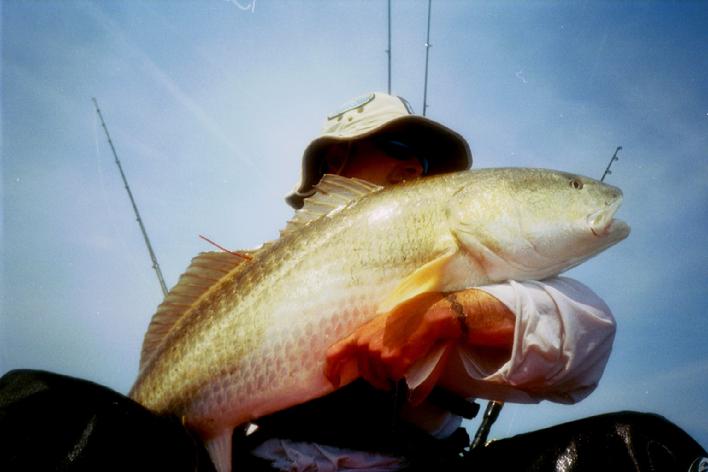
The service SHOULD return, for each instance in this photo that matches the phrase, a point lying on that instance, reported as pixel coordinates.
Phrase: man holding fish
(522, 340)
(359, 284)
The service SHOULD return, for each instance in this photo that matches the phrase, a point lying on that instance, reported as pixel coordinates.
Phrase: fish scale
(296, 273)
(255, 340)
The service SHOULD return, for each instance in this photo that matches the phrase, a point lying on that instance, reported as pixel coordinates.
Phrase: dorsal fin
(204, 272)
(332, 193)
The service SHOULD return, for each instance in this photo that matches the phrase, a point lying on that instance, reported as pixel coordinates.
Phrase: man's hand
(383, 349)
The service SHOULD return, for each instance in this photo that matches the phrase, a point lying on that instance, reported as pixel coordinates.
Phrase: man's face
(382, 163)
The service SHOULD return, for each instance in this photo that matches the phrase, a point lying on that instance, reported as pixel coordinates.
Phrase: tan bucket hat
(381, 114)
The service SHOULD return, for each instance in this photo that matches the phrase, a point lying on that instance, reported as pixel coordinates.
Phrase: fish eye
(577, 184)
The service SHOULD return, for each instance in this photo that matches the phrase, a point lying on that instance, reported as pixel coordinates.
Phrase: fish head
(527, 224)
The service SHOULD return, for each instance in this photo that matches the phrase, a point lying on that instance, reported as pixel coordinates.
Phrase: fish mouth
(602, 222)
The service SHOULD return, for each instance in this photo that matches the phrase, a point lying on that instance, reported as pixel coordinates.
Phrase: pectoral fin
(431, 277)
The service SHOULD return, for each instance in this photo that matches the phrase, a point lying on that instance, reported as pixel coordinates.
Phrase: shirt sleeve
(562, 341)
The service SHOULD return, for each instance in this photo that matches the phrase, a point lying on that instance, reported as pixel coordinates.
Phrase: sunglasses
(393, 148)
(402, 152)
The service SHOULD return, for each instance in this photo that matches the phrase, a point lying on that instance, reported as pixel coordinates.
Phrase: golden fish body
(252, 338)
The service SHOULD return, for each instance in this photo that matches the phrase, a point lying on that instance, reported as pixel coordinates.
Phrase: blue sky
(210, 106)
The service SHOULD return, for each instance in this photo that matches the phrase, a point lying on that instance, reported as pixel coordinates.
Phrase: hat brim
(446, 150)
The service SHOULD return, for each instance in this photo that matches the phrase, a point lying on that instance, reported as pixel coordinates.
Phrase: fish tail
(219, 448)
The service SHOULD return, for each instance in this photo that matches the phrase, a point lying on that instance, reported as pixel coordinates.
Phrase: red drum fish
(236, 340)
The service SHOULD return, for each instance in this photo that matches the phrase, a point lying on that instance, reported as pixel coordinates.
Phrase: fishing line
(107, 207)
(237, 254)
(510, 426)
(138, 218)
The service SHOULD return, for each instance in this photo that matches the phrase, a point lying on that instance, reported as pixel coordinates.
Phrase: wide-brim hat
(377, 114)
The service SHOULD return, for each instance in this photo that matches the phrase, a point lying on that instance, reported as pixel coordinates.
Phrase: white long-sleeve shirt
(562, 340)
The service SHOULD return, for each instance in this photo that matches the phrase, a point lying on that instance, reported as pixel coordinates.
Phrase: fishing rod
(491, 413)
(614, 158)
(427, 56)
(155, 265)
(388, 51)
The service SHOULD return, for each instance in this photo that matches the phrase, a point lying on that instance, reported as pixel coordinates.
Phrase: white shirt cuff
(562, 341)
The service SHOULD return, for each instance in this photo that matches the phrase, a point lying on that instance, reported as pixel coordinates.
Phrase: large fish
(235, 340)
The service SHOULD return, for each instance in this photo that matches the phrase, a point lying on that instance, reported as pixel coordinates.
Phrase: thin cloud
(164, 80)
